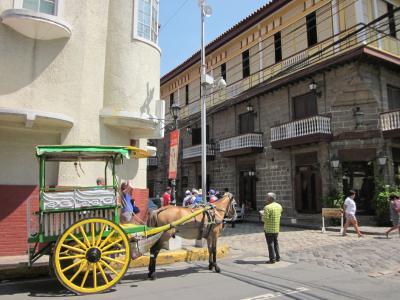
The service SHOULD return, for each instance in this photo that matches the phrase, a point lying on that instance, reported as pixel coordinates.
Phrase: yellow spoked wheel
(91, 256)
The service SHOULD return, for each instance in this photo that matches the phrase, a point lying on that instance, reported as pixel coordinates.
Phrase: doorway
(308, 189)
(359, 176)
(247, 189)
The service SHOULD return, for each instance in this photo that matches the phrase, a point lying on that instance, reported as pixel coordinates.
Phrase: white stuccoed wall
(100, 66)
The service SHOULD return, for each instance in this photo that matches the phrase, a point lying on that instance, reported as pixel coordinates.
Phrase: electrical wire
(322, 10)
(162, 26)
(327, 8)
(314, 57)
(301, 61)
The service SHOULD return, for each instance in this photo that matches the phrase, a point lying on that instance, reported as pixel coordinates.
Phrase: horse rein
(226, 212)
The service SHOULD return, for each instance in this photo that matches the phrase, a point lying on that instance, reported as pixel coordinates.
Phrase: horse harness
(214, 218)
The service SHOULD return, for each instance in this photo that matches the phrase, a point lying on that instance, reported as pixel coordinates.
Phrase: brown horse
(207, 225)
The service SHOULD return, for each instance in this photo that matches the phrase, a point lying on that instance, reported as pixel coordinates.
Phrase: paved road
(241, 279)
(371, 255)
(314, 266)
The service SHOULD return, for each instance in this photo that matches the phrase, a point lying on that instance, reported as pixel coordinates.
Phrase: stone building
(71, 73)
(311, 106)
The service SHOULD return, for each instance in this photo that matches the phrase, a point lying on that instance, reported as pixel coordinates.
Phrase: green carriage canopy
(79, 152)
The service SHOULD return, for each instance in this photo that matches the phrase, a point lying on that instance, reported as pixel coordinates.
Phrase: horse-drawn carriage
(79, 227)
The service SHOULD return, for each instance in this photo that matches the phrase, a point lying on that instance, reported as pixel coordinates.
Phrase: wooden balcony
(152, 163)
(241, 144)
(390, 124)
(193, 154)
(305, 131)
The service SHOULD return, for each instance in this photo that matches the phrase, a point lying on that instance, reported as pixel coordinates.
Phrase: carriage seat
(78, 199)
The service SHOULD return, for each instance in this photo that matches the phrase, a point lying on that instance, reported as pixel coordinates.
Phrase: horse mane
(230, 195)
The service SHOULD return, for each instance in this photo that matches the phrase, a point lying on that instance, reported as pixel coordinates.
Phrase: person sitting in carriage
(129, 208)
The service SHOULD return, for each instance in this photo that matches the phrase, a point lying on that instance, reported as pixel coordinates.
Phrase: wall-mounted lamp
(382, 159)
(189, 129)
(249, 107)
(359, 116)
(335, 163)
(313, 88)
(252, 173)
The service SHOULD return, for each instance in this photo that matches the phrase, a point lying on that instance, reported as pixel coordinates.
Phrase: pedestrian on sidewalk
(394, 207)
(272, 219)
(187, 201)
(167, 196)
(350, 213)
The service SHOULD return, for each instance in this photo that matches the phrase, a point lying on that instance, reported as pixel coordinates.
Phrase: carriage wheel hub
(93, 255)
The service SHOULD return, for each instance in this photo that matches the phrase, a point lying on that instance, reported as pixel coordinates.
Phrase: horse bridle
(230, 207)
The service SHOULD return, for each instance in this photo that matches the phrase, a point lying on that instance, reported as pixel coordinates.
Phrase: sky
(180, 22)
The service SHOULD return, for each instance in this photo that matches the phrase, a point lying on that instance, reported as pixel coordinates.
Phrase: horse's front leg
(214, 252)
(210, 254)
(153, 260)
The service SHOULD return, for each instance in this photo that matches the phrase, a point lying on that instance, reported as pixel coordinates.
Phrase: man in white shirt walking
(350, 212)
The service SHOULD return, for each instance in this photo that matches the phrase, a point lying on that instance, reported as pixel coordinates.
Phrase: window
(187, 94)
(392, 23)
(146, 20)
(246, 123)
(393, 97)
(311, 22)
(304, 106)
(196, 136)
(171, 99)
(245, 64)
(43, 6)
(278, 47)
(223, 71)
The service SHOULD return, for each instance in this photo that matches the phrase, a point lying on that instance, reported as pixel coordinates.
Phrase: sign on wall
(173, 154)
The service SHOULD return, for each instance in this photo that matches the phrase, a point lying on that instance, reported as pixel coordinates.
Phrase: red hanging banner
(173, 153)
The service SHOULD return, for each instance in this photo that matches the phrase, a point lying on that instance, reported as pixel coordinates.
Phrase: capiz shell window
(146, 20)
(43, 6)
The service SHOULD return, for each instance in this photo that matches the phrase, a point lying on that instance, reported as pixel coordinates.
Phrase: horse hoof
(152, 276)
(217, 269)
(210, 267)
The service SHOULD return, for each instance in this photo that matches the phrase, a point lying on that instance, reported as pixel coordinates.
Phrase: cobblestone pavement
(375, 256)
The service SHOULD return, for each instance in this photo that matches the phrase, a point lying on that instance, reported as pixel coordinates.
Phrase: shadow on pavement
(42, 288)
(381, 238)
(250, 262)
(48, 287)
(162, 273)
(243, 228)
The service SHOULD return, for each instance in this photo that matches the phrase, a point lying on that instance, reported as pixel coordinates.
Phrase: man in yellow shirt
(272, 219)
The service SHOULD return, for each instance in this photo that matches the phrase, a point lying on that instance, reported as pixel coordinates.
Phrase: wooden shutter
(304, 106)
(393, 97)
(318, 191)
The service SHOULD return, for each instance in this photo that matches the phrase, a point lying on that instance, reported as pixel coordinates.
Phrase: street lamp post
(175, 113)
(205, 12)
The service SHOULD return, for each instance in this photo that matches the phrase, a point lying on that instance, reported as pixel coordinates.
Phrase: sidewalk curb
(22, 271)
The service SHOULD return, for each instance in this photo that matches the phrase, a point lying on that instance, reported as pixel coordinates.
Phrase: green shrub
(381, 204)
(333, 200)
